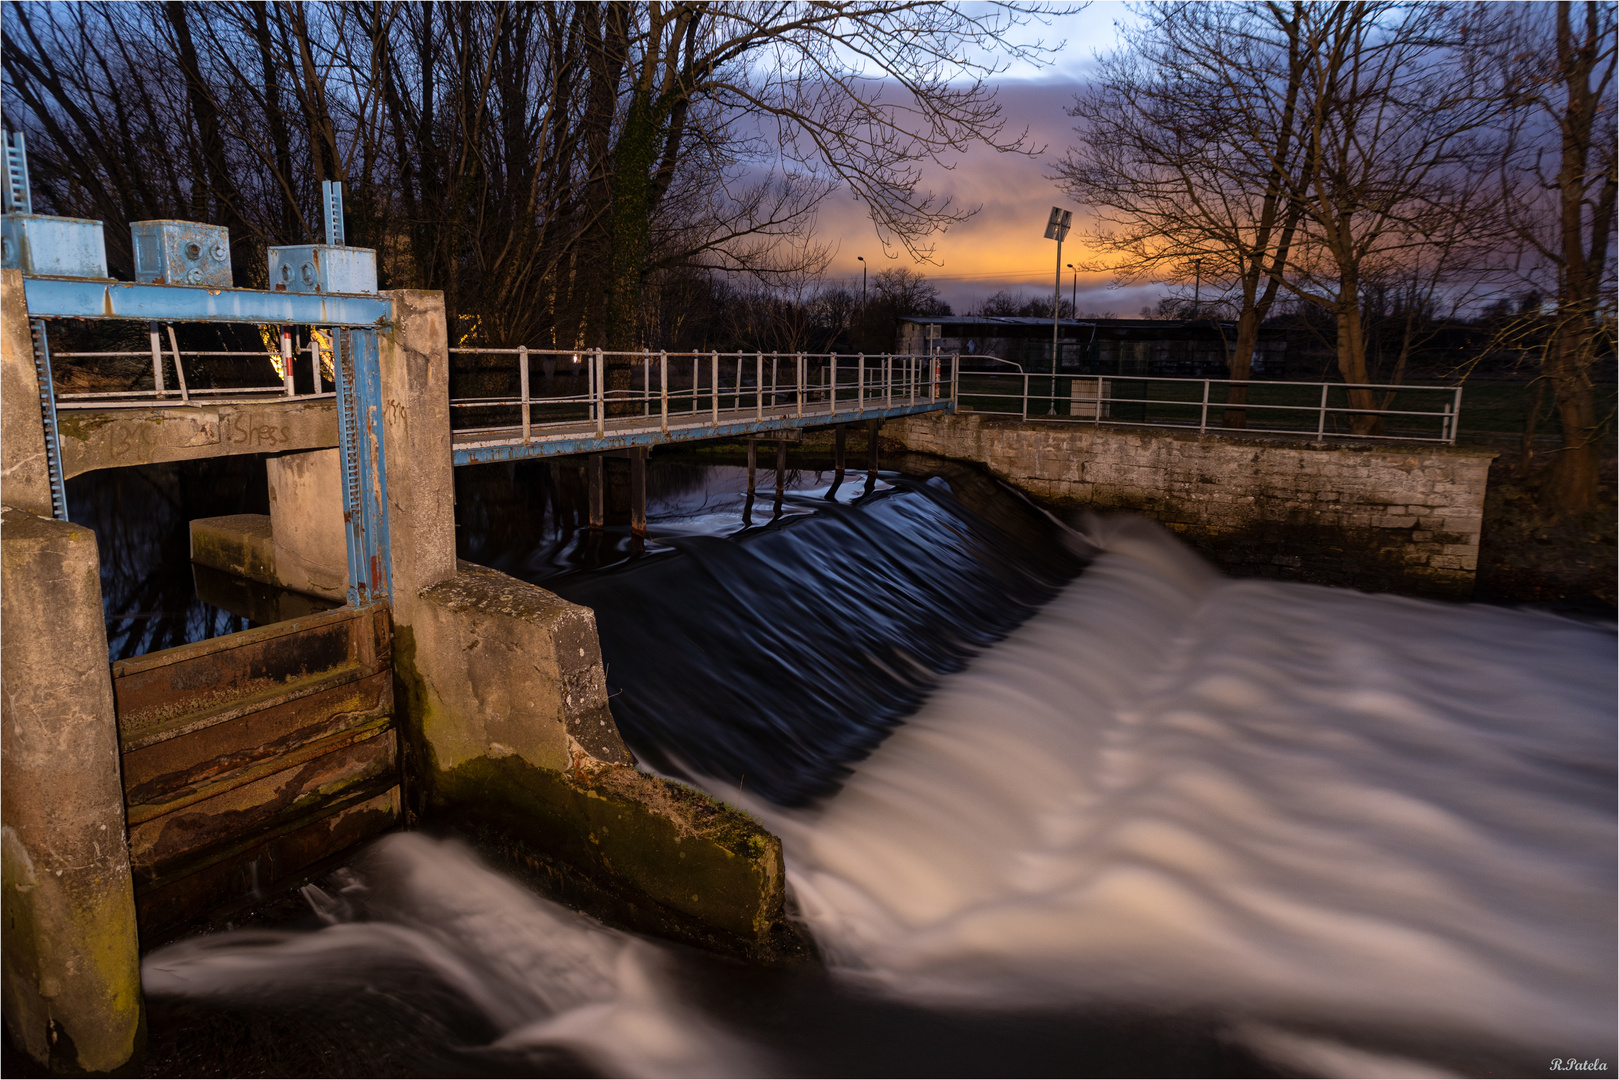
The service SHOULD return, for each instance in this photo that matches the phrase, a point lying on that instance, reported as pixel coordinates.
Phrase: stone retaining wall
(1382, 516)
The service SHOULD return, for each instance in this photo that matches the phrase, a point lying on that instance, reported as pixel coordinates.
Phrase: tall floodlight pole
(1073, 297)
(1056, 229)
(861, 259)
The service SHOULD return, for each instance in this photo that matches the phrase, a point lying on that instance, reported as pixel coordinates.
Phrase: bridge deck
(477, 446)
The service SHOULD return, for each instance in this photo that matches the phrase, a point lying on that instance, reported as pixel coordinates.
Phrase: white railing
(161, 393)
(593, 388)
(1324, 410)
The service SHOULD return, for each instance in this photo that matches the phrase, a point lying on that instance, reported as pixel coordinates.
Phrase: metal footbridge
(550, 403)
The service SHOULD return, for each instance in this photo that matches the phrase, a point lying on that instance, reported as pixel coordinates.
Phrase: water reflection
(141, 519)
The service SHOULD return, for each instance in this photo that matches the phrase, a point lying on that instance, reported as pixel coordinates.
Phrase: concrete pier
(502, 698)
(71, 952)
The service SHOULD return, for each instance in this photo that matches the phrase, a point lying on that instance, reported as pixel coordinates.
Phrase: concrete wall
(113, 438)
(24, 478)
(306, 521)
(1375, 516)
(71, 953)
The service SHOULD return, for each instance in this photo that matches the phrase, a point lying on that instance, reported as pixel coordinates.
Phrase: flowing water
(1054, 801)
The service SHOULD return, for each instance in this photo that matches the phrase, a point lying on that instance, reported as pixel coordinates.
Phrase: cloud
(1003, 246)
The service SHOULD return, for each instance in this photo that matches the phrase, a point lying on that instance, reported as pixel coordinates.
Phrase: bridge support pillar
(71, 951)
(638, 490)
(872, 427)
(839, 437)
(781, 471)
(595, 466)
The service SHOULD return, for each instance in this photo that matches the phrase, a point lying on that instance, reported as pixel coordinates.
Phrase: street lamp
(1057, 229)
(861, 259)
(1073, 297)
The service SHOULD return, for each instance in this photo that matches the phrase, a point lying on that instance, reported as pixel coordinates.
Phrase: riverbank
(1528, 556)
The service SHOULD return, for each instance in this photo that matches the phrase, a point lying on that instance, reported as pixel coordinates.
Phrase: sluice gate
(249, 758)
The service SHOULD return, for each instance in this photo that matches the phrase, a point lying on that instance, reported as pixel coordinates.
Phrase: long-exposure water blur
(1056, 798)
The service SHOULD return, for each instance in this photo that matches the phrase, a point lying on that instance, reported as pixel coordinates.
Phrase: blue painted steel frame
(87, 298)
(355, 362)
(591, 444)
(356, 320)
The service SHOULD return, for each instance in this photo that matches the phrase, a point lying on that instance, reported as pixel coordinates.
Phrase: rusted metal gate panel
(248, 758)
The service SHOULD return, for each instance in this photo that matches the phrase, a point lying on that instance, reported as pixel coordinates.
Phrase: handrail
(663, 389)
(162, 394)
(1091, 399)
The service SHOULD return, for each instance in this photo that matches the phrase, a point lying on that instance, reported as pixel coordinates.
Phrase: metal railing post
(157, 361)
(832, 386)
(314, 361)
(179, 372)
(646, 383)
(801, 386)
(888, 380)
(663, 391)
(601, 394)
(522, 379)
(1456, 416)
(716, 381)
(286, 362)
(759, 386)
(860, 386)
(1202, 425)
(1025, 395)
(1321, 420)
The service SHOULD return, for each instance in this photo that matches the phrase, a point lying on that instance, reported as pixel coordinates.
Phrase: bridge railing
(519, 391)
(992, 386)
(166, 381)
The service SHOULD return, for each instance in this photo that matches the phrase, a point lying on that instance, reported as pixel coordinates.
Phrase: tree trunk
(1574, 479)
(1242, 362)
(1352, 360)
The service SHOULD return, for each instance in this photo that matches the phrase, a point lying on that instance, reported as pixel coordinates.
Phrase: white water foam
(1265, 799)
(543, 976)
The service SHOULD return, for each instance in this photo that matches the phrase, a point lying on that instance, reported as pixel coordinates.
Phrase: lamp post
(1057, 229)
(1073, 297)
(861, 259)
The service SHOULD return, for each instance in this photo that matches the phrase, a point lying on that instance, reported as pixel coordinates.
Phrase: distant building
(1155, 347)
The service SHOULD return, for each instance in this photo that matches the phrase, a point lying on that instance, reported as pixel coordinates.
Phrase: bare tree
(1559, 180)
(1398, 106)
(1191, 155)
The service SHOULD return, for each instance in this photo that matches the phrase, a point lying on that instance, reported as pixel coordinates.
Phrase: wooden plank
(251, 871)
(163, 847)
(210, 754)
(163, 694)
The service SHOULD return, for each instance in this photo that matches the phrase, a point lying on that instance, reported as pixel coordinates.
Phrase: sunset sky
(1003, 246)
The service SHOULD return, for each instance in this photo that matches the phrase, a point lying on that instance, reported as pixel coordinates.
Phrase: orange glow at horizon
(1002, 246)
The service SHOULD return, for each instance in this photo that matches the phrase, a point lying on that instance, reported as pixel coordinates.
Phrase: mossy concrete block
(691, 868)
(240, 544)
(511, 669)
(246, 545)
(71, 952)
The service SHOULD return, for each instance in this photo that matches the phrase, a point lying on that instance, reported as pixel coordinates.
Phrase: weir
(144, 796)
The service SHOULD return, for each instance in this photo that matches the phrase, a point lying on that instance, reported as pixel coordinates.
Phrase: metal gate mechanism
(183, 274)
